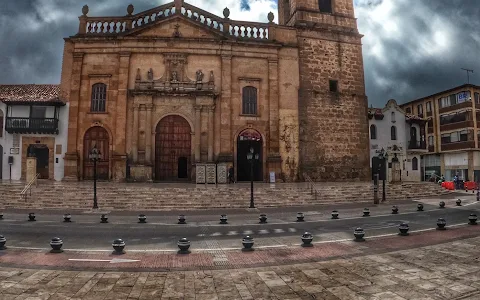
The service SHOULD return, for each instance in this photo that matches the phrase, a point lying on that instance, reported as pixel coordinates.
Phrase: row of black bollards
(248, 241)
(142, 218)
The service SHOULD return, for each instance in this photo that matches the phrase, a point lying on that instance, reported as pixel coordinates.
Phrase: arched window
(99, 97)
(414, 164)
(393, 133)
(249, 100)
(373, 132)
(393, 117)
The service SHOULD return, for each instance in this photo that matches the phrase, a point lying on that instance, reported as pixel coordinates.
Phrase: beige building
(163, 91)
(452, 132)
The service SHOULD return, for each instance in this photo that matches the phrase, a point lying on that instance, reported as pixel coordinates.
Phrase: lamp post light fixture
(95, 155)
(251, 157)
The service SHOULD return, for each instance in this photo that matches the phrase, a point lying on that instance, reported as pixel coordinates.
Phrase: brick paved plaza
(442, 270)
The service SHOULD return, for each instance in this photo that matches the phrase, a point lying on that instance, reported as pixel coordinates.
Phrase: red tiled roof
(30, 93)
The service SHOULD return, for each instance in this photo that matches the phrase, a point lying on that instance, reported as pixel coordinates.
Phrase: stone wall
(334, 141)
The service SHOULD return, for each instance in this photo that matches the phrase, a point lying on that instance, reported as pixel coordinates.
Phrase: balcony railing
(32, 125)
(417, 145)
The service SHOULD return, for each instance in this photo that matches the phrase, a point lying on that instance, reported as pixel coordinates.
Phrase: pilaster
(148, 135)
(136, 108)
(226, 106)
(198, 131)
(71, 157)
(211, 111)
(121, 104)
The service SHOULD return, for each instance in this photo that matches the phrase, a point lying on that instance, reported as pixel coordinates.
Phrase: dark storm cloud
(412, 48)
(424, 52)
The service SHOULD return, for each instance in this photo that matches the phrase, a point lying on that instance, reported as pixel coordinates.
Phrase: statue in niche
(199, 75)
(174, 76)
(150, 74)
(212, 78)
(138, 77)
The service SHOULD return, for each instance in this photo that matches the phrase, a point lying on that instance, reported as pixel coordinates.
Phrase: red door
(173, 149)
(96, 136)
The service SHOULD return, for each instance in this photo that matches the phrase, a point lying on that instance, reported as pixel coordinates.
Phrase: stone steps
(163, 197)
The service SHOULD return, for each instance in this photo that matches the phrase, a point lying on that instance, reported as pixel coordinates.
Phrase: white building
(402, 137)
(34, 121)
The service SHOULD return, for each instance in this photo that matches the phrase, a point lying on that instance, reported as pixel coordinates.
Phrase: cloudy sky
(412, 48)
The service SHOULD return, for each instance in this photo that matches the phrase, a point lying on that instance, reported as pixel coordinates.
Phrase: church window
(414, 164)
(99, 97)
(393, 133)
(333, 86)
(373, 132)
(249, 100)
(325, 6)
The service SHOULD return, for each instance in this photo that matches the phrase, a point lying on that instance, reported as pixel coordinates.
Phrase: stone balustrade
(117, 25)
(249, 30)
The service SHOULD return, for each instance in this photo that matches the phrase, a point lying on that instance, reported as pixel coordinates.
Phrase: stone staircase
(175, 196)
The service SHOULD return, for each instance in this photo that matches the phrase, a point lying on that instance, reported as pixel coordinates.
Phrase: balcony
(417, 145)
(458, 146)
(31, 125)
(466, 104)
(457, 125)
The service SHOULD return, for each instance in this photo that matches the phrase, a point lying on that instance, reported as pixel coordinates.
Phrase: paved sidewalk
(443, 271)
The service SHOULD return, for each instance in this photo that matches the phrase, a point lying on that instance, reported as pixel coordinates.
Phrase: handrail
(311, 184)
(28, 187)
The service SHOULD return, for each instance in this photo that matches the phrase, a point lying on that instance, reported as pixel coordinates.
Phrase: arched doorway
(96, 136)
(173, 149)
(41, 153)
(247, 139)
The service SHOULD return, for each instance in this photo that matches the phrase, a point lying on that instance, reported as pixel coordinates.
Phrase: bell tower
(334, 139)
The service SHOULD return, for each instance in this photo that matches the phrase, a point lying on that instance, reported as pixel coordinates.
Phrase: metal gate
(173, 149)
(96, 136)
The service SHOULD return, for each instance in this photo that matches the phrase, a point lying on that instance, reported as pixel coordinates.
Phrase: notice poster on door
(272, 177)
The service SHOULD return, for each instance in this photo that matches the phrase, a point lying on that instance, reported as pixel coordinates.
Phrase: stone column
(148, 135)
(135, 133)
(211, 110)
(198, 131)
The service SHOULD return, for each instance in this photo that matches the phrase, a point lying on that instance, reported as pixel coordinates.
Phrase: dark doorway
(249, 139)
(96, 136)
(1, 161)
(173, 140)
(41, 153)
(413, 135)
(182, 167)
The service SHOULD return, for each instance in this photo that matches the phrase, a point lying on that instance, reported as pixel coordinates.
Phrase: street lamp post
(95, 156)
(383, 155)
(251, 157)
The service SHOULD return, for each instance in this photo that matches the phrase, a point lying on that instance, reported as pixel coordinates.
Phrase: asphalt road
(162, 233)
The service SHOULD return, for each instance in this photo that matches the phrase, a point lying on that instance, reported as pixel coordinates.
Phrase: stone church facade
(162, 91)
